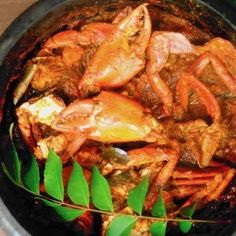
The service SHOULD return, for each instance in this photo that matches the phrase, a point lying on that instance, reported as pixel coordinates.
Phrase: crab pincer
(121, 56)
(100, 120)
(94, 33)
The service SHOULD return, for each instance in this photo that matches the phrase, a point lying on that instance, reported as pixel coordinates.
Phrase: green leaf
(15, 164)
(32, 178)
(188, 211)
(47, 202)
(5, 170)
(137, 196)
(158, 228)
(101, 194)
(121, 226)
(185, 226)
(77, 189)
(68, 214)
(53, 176)
(159, 209)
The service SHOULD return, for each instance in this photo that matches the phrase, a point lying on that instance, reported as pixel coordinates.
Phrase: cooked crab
(159, 97)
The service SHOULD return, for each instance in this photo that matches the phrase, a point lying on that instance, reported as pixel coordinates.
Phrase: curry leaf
(47, 202)
(185, 226)
(158, 228)
(137, 196)
(5, 170)
(53, 176)
(15, 162)
(77, 189)
(188, 212)
(159, 209)
(32, 178)
(68, 214)
(101, 194)
(121, 226)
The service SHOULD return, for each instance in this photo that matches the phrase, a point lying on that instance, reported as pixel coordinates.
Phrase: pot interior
(166, 15)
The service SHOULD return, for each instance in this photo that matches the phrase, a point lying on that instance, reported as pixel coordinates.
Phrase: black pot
(18, 214)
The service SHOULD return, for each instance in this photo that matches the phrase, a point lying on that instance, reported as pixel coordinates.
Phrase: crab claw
(94, 33)
(121, 56)
(183, 87)
(98, 119)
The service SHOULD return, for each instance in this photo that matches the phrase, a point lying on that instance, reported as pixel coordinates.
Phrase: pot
(21, 41)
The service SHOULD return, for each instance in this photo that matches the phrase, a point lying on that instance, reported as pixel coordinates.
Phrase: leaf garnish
(6, 172)
(158, 228)
(185, 226)
(53, 176)
(32, 178)
(100, 189)
(187, 212)
(121, 226)
(137, 196)
(159, 209)
(77, 188)
(15, 170)
(68, 214)
(102, 200)
(47, 202)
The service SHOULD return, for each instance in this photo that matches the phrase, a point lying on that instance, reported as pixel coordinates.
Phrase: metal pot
(20, 42)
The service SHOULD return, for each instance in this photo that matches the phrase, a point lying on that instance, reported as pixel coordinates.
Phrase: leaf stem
(114, 213)
(141, 216)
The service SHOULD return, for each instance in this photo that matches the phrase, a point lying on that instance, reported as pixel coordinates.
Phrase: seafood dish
(135, 101)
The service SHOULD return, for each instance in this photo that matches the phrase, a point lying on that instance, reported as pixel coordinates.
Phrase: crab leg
(160, 46)
(77, 140)
(163, 176)
(213, 189)
(228, 176)
(195, 181)
(198, 173)
(187, 81)
(184, 191)
(160, 87)
(147, 155)
(144, 156)
(221, 70)
(212, 135)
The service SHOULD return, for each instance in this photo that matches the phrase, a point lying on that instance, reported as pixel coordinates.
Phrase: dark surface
(20, 42)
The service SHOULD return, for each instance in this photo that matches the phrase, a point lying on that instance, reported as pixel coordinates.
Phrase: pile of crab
(135, 103)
